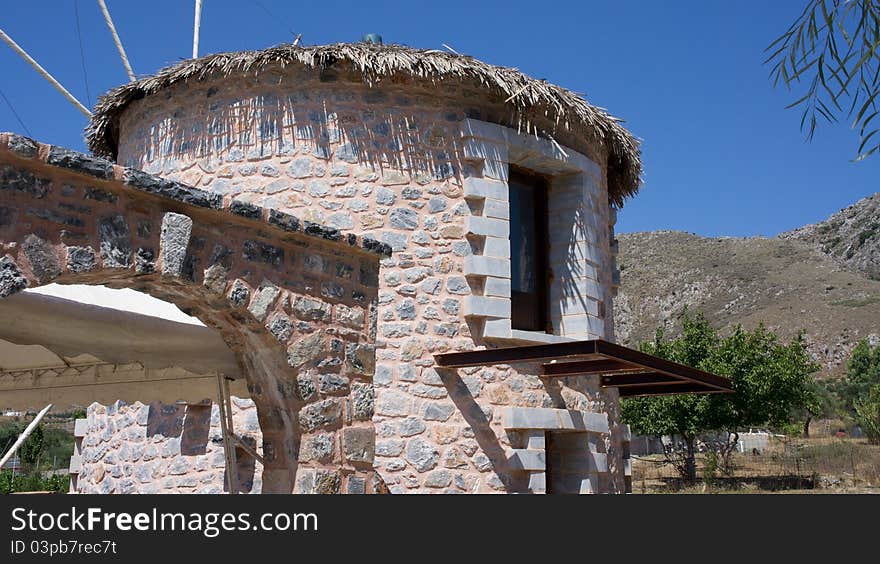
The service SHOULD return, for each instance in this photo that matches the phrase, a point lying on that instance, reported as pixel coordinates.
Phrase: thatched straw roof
(528, 97)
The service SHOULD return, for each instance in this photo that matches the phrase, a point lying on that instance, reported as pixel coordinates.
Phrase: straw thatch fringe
(527, 95)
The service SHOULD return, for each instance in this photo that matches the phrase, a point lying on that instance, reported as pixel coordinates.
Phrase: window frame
(531, 312)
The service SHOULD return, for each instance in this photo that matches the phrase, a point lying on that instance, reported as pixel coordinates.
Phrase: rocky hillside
(790, 282)
(852, 235)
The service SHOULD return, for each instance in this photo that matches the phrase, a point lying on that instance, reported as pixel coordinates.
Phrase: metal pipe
(44, 73)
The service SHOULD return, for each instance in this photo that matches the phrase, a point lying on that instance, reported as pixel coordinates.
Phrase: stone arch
(293, 301)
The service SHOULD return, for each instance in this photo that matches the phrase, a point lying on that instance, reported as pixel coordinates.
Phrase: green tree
(868, 414)
(859, 392)
(771, 383)
(822, 402)
(862, 374)
(32, 446)
(831, 55)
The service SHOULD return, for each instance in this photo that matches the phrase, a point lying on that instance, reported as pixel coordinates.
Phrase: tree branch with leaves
(831, 56)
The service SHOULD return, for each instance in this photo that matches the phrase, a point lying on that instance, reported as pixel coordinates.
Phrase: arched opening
(149, 376)
(293, 302)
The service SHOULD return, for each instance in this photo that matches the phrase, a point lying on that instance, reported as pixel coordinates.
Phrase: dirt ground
(788, 465)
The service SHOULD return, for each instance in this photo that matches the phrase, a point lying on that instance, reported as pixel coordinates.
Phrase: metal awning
(633, 372)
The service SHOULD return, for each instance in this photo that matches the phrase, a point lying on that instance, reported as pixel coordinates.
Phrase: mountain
(851, 235)
(816, 278)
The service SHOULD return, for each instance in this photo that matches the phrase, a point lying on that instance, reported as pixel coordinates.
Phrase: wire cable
(18, 117)
(275, 18)
(82, 55)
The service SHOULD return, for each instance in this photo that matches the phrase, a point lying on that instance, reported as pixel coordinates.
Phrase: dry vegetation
(815, 465)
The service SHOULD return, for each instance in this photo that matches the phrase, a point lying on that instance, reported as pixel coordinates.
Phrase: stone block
(478, 225)
(536, 440)
(475, 187)
(498, 209)
(497, 247)
(11, 278)
(173, 242)
(359, 444)
(324, 413)
(487, 266)
(497, 287)
(538, 482)
(479, 306)
(554, 419)
(527, 460)
(497, 328)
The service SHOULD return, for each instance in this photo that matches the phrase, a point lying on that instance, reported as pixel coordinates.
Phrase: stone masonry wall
(165, 448)
(295, 302)
(390, 162)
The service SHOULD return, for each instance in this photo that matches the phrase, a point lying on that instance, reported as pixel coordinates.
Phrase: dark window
(529, 248)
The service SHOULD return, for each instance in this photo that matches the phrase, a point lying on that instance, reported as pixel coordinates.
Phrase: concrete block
(475, 187)
(75, 464)
(80, 427)
(527, 460)
(482, 149)
(538, 482)
(497, 247)
(575, 325)
(590, 484)
(487, 266)
(536, 337)
(484, 130)
(596, 327)
(578, 306)
(499, 209)
(554, 419)
(497, 287)
(479, 306)
(496, 170)
(574, 289)
(497, 328)
(598, 462)
(536, 440)
(487, 226)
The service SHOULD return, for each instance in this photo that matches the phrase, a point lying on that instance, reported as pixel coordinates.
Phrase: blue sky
(722, 156)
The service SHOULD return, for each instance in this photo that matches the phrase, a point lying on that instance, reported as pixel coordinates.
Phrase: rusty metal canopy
(633, 372)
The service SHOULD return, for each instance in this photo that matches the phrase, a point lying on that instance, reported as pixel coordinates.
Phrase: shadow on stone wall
(165, 419)
(196, 428)
(370, 126)
(484, 435)
(245, 467)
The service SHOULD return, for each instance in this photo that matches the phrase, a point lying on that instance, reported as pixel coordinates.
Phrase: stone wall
(165, 448)
(294, 301)
(393, 161)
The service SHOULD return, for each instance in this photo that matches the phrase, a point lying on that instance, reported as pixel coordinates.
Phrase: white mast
(116, 40)
(196, 25)
(44, 73)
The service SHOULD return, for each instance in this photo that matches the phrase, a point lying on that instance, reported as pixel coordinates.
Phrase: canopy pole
(25, 435)
(116, 40)
(29, 60)
(225, 407)
(197, 24)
